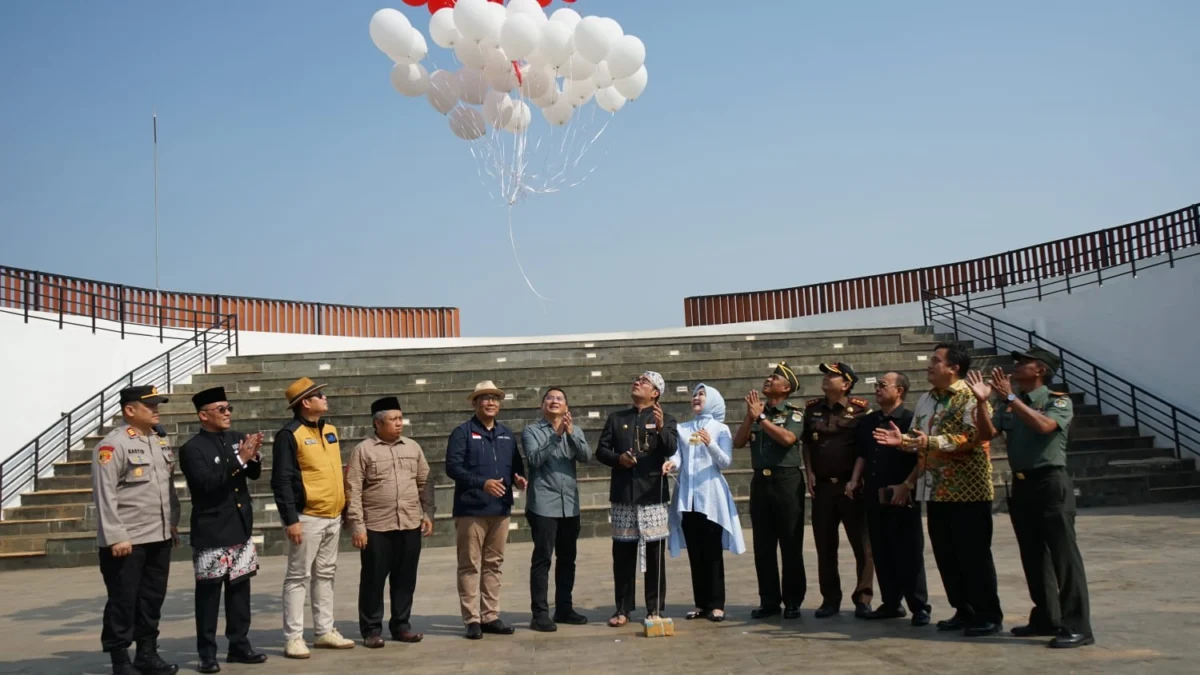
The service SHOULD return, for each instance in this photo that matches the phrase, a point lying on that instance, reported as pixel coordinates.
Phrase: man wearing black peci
(893, 518)
(217, 463)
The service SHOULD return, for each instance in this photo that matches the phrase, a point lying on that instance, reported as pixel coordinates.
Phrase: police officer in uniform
(137, 511)
(835, 468)
(771, 428)
(1042, 505)
(217, 463)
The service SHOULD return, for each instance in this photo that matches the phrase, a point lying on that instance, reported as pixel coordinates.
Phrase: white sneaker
(296, 649)
(333, 640)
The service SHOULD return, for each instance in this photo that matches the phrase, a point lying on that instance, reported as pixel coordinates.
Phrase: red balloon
(435, 5)
(414, 3)
(498, 2)
(544, 3)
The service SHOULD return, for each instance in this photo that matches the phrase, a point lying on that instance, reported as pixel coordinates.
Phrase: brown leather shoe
(408, 636)
(373, 641)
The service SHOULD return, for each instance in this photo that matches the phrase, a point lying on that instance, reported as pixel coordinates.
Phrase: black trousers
(1042, 510)
(831, 508)
(898, 549)
(137, 586)
(706, 556)
(777, 517)
(625, 569)
(237, 615)
(551, 535)
(961, 534)
(390, 557)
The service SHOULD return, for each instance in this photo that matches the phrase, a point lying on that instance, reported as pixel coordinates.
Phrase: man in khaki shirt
(390, 508)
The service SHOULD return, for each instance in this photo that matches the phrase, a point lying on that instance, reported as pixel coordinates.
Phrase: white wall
(45, 371)
(1143, 329)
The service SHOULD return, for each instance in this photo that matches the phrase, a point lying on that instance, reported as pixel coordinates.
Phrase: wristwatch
(762, 416)
(1010, 398)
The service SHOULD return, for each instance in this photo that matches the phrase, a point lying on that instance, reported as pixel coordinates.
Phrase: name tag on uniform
(650, 426)
(779, 420)
(310, 441)
(330, 438)
(504, 438)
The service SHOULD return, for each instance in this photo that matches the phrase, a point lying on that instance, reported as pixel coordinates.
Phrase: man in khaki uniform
(390, 506)
(137, 512)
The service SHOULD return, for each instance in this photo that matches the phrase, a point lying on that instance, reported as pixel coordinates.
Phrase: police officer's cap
(843, 369)
(1038, 354)
(147, 394)
(209, 396)
(385, 403)
(782, 370)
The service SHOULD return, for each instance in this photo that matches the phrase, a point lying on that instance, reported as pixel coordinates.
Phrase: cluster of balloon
(512, 59)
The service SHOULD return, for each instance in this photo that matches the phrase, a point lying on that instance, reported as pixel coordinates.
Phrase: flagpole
(157, 305)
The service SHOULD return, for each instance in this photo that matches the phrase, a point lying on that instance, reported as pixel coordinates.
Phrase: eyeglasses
(642, 380)
(319, 394)
(221, 409)
(489, 397)
(882, 385)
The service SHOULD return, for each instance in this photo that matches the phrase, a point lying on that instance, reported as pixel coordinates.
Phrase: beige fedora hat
(485, 387)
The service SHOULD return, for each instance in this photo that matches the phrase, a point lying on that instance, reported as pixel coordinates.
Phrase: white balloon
(497, 109)
(632, 87)
(536, 58)
(602, 77)
(521, 116)
(442, 30)
(495, 21)
(625, 56)
(577, 92)
(410, 80)
(467, 123)
(566, 15)
(558, 113)
(550, 97)
(577, 68)
(555, 45)
(536, 81)
(502, 79)
(391, 32)
(610, 99)
(495, 58)
(473, 87)
(530, 8)
(444, 88)
(472, 18)
(612, 28)
(519, 36)
(593, 38)
(471, 53)
(417, 49)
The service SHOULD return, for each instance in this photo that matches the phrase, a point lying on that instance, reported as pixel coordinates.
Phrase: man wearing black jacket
(217, 462)
(636, 443)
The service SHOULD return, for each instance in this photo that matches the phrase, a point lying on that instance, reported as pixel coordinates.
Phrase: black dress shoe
(716, 618)
(543, 624)
(696, 614)
(570, 617)
(886, 613)
(1030, 630)
(150, 663)
(826, 611)
(982, 628)
(791, 612)
(764, 612)
(209, 666)
(861, 610)
(474, 632)
(920, 619)
(1065, 639)
(497, 627)
(251, 657)
(374, 641)
(955, 622)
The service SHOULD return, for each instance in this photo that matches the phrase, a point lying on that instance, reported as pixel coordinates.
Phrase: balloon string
(512, 240)
(517, 70)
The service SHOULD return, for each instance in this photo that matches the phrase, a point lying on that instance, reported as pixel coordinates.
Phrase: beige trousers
(310, 571)
(481, 543)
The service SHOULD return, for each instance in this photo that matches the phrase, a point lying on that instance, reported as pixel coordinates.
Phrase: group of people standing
(867, 471)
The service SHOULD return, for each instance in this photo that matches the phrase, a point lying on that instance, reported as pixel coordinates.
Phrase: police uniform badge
(104, 454)
(137, 472)
(1060, 403)
(330, 438)
(797, 416)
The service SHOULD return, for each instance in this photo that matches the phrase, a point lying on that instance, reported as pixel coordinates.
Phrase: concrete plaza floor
(1142, 563)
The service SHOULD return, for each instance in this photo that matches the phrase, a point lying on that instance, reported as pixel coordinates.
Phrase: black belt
(1031, 474)
(835, 479)
(777, 471)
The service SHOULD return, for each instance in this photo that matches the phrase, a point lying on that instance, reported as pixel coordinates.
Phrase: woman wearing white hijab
(703, 516)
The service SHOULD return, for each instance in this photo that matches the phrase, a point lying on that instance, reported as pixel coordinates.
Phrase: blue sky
(790, 143)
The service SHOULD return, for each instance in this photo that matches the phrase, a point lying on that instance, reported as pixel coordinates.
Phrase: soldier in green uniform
(1042, 505)
(771, 428)
(835, 468)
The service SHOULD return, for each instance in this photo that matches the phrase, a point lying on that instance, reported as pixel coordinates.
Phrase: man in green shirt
(772, 428)
(1042, 504)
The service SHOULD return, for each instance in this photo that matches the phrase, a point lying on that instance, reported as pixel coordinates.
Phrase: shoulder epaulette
(1059, 393)
(812, 401)
(793, 406)
(860, 402)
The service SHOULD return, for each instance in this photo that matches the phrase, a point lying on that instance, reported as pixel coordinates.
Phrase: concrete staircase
(54, 526)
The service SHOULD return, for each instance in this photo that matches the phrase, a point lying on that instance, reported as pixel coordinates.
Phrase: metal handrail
(37, 457)
(1109, 390)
